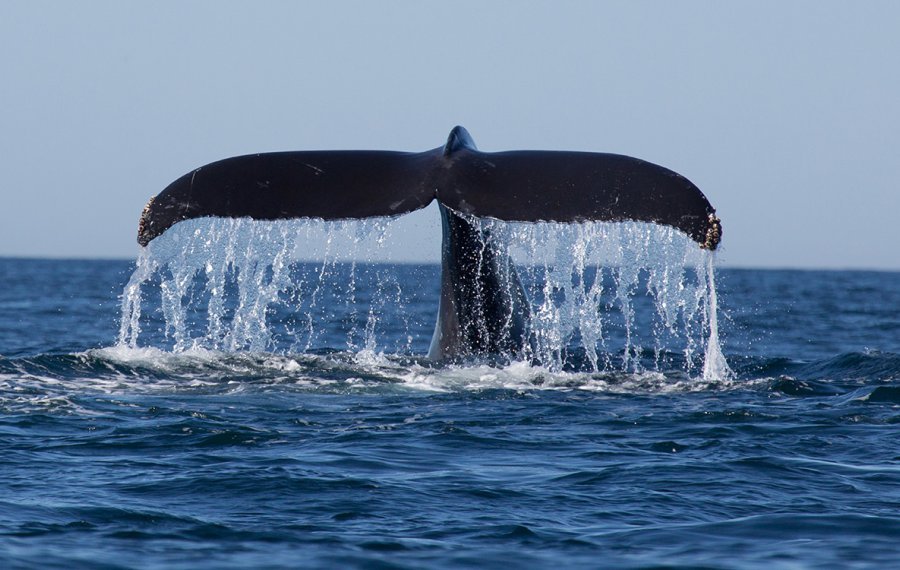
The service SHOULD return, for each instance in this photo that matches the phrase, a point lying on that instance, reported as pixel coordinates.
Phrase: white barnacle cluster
(713, 233)
(145, 217)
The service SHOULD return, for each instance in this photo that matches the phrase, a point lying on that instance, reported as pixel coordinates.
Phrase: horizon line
(725, 265)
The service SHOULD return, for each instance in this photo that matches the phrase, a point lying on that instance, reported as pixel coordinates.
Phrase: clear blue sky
(786, 114)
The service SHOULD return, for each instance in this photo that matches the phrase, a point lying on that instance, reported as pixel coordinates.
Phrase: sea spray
(236, 285)
(714, 365)
(604, 297)
(130, 326)
(628, 296)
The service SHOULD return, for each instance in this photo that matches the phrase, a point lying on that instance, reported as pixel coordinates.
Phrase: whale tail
(483, 310)
(526, 186)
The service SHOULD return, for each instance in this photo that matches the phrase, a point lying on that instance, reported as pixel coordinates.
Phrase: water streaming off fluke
(604, 297)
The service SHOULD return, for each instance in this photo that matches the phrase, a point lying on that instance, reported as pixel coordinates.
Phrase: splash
(236, 285)
(628, 296)
(605, 297)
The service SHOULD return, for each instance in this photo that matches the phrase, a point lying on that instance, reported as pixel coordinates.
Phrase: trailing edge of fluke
(526, 186)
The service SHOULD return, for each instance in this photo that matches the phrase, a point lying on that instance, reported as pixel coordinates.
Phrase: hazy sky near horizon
(786, 114)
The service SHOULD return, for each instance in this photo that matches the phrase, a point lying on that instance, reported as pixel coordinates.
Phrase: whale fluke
(526, 186)
(560, 186)
(484, 311)
(329, 185)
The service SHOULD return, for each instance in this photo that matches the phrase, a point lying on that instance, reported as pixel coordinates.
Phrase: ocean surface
(206, 435)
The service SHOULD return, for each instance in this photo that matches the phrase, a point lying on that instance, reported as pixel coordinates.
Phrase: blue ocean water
(335, 445)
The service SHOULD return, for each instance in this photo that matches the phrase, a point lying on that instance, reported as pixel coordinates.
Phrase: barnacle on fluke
(713, 233)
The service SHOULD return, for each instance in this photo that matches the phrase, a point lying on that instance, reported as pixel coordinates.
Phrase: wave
(51, 380)
(122, 370)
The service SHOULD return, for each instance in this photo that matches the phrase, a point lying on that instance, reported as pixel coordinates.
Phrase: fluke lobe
(483, 309)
